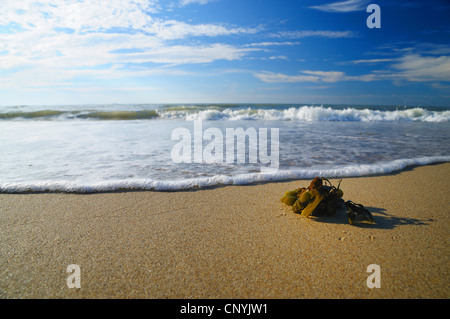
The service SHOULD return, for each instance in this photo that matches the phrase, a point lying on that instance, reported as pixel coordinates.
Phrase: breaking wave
(203, 182)
(312, 114)
(94, 115)
(228, 113)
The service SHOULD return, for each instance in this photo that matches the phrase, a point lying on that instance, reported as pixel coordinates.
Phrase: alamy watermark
(74, 279)
(374, 279)
(228, 148)
(374, 20)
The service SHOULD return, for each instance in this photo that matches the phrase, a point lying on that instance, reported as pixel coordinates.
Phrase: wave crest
(312, 114)
(213, 113)
(203, 182)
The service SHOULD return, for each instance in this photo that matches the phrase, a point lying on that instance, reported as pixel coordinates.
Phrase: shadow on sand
(382, 220)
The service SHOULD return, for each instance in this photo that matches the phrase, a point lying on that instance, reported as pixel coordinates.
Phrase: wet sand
(229, 242)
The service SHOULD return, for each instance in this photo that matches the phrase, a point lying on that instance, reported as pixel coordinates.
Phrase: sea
(125, 147)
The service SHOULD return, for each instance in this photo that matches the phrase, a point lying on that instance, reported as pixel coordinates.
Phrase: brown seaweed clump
(316, 183)
(319, 200)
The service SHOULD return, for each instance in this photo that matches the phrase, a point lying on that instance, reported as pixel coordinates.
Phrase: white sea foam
(213, 113)
(311, 114)
(203, 182)
(103, 148)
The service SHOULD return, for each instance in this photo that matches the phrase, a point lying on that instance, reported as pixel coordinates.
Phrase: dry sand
(229, 242)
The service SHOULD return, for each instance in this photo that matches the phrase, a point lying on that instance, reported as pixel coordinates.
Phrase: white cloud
(186, 2)
(85, 46)
(315, 33)
(94, 16)
(172, 29)
(278, 57)
(266, 44)
(178, 54)
(418, 68)
(71, 35)
(83, 16)
(342, 6)
(369, 61)
(327, 76)
(271, 77)
(312, 76)
(409, 67)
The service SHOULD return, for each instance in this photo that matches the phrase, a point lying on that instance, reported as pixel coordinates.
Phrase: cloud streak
(410, 67)
(187, 2)
(84, 35)
(342, 6)
(315, 33)
(78, 45)
(311, 76)
(418, 68)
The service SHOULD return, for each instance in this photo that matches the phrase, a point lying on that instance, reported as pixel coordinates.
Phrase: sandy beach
(229, 242)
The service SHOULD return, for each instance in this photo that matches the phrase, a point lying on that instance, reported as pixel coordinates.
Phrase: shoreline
(213, 186)
(229, 241)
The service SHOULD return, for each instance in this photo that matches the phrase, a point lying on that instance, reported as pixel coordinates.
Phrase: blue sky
(224, 51)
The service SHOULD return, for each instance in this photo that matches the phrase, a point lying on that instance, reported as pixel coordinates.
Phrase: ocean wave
(215, 113)
(31, 115)
(118, 115)
(312, 114)
(204, 182)
(67, 115)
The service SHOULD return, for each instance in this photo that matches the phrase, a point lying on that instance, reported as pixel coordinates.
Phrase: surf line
(221, 148)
